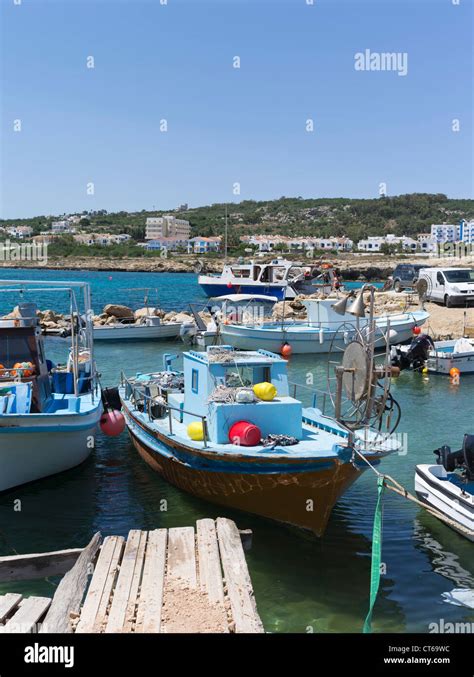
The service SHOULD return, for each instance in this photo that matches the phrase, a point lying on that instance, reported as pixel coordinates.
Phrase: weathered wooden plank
(135, 584)
(37, 565)
(130, 562)
(8, 603)
(210, 573)
(237, 578)
(70, 591)
(151, 593)
(30, 612)
(182, 555)
(105, 574)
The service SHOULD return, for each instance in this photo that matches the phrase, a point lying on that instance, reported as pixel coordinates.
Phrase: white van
(451, 286)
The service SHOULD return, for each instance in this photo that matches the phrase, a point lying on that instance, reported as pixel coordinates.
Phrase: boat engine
(416, 354)
(463, 459)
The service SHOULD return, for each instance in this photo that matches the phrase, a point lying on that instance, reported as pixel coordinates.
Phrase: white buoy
(321, 336)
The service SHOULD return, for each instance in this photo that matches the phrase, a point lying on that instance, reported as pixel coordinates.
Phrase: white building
(203, 245)
(167, 226)
(61, 227)
(375, 243)
(20, 231)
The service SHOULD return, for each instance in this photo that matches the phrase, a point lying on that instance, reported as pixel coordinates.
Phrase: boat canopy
(240, 298)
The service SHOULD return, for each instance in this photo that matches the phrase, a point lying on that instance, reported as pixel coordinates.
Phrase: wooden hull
(302, 498)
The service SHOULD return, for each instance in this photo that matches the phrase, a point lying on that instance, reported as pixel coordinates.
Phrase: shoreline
(352, 266)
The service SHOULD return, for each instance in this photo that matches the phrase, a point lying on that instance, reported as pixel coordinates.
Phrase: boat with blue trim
(279, 278)
(229, 429)
(48, 413)
(324, 329)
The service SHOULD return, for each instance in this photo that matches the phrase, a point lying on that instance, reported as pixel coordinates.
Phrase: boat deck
(160, 581)
(323, 441)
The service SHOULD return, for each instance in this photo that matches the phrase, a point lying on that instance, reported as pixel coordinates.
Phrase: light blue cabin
(204, 371)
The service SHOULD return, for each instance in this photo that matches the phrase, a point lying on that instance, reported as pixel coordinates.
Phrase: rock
(122, 312)
(146, 312)
(49, 324)
(110, 320)
(182, 317)
(15, 313)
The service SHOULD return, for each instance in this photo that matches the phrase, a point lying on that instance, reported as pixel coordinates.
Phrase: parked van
(451, 286)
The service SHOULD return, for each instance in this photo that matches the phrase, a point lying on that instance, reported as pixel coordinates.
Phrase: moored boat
(280, 278)
(48, 413)
(448, 486)
(438, 357)
(227, 429)
(324, 329)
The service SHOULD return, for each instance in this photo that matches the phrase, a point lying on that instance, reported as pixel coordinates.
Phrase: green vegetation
(322, 217)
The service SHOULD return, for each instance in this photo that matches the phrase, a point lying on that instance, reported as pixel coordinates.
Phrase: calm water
(299, 581)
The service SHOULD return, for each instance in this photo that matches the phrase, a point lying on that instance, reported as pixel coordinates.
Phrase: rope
(376, 553)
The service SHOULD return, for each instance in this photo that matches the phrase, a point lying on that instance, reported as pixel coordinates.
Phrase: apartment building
(167, 226)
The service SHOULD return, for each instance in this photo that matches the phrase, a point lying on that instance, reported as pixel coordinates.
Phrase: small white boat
(151, 328)
(48, 413)
(448, 354)
(451, 492)
(438, 357)
(325, 329)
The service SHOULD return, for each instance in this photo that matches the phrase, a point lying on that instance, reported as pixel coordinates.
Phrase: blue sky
(228, 125)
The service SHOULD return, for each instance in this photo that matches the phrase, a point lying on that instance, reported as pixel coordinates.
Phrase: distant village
(168, 233)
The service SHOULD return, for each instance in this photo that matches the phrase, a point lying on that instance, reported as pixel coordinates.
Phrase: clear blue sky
(229, 125)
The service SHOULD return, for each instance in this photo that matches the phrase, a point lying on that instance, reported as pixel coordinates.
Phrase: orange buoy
(23, 369)
(286, 350)
(416, 330)
(454, 371)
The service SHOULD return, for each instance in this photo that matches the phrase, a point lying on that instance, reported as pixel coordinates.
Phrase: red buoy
(245, 434)
(229, 285)
(112, 423)
(286, 350)
(416, 330)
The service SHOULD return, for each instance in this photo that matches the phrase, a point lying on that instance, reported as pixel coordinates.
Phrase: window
(440, 278)
(460, 275)
(194, 380)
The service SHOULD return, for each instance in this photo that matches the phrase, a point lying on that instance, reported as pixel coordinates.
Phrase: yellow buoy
(265, 391)
(424, 370)
(196, 431)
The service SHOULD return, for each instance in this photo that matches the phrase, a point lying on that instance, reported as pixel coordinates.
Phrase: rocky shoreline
(353, 266)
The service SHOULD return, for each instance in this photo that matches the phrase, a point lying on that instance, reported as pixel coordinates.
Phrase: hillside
(357, 218)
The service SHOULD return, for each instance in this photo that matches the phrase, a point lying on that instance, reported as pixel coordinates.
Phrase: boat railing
(316, 394)
(151, 401)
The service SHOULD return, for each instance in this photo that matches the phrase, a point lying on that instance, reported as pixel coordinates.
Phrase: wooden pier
(167, 580)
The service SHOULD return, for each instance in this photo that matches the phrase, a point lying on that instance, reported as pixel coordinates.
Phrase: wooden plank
(105, 574)
(210, 573)
(182, 555)
(135, 585)
(30, 612)
(70, 591)
(125, 581)
(237, 578)
(37, 565)
(151, 593)
(8, 603)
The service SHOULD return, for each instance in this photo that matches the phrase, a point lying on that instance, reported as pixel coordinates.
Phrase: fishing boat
(438, 357)
(230, 429)
(329, 325)
(48, 413)
(149, 328)
(242, 308)
(448, 485)
(280, 278)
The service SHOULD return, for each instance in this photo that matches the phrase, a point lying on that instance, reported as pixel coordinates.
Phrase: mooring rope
(375, 572)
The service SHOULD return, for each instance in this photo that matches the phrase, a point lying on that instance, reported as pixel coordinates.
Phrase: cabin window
(194, 380)
(440, 278)
(241, 272)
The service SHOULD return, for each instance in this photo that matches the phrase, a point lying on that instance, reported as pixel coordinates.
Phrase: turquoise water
(300, 582)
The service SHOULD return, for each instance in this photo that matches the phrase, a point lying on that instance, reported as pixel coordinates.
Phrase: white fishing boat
(438, 357)
(48, 413)
(448, 485)
(329, 325)
(148, 329)
(280, 278)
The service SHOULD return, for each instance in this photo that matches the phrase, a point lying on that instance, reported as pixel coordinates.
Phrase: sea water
(302, 584)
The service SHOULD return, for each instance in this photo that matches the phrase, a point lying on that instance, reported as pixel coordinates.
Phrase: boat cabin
(29, 383)
(223, 370)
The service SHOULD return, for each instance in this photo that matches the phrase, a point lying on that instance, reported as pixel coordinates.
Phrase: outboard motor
(464, 458)
(416, 355)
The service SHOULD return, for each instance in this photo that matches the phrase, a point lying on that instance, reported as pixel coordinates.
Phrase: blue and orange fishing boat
(230, 429)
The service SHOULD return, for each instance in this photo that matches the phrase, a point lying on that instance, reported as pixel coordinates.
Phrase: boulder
(145, 312)
(121, 312)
